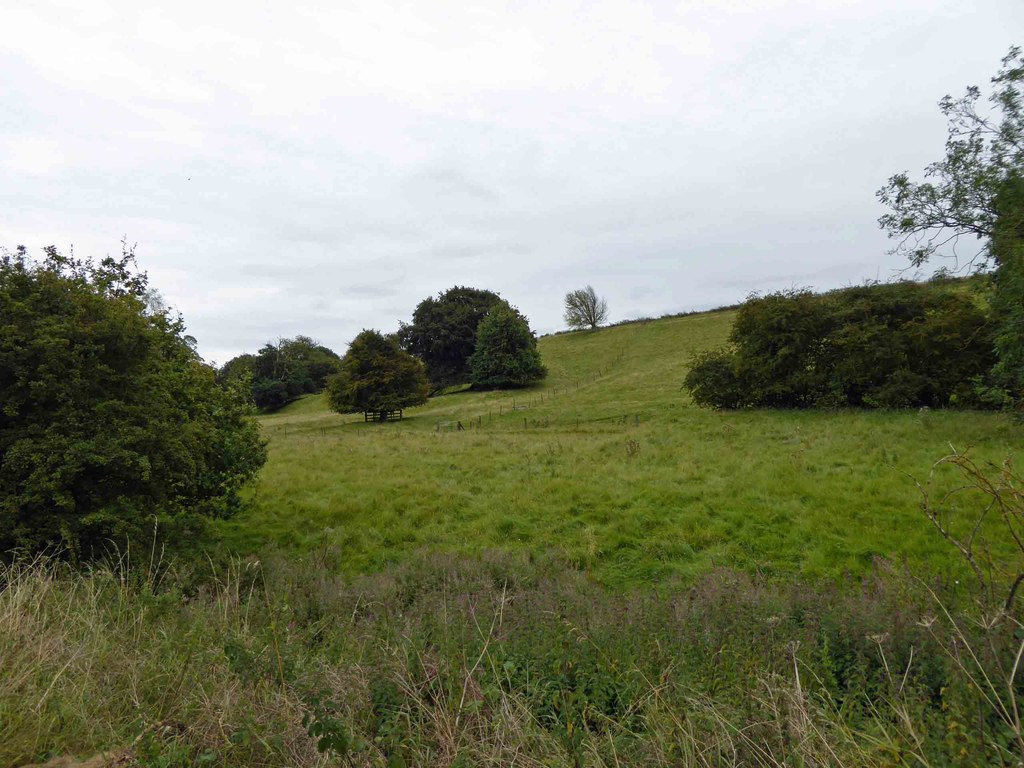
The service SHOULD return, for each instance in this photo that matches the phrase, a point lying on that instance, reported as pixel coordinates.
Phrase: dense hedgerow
(878, 346)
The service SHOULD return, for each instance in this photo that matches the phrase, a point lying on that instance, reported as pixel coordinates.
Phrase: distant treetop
(584, 309)
(443, 332)
(283, 371)
(377, 376)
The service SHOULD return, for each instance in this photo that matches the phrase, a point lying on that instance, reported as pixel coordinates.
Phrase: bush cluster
(896, 345)
(468, 335)
(443, 332)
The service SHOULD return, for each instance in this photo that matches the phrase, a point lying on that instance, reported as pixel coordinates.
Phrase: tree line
(464, 336)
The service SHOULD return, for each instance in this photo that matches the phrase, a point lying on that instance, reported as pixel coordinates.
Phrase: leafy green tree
(377, 376)
(585, 309)
(237, 368)
(506, 351)
(975, 192)
(443, 332)
(281, 372)
(1008, 294)
(110, 423)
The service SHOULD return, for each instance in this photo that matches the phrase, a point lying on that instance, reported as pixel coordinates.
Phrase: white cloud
(32, 156)
(321, 167)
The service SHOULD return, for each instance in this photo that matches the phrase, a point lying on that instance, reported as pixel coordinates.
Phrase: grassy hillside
(610, 464)
(472, 657)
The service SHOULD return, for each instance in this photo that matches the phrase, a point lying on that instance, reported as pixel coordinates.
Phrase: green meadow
(608, 465)
(589, 573)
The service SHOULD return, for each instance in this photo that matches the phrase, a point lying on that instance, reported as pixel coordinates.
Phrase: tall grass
(493, 660)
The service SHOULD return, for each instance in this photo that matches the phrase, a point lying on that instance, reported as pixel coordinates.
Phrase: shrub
(713, 380)
(109, 420)
(880, 346)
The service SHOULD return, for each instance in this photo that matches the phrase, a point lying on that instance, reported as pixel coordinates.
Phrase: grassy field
(480, 597)
(609, 464)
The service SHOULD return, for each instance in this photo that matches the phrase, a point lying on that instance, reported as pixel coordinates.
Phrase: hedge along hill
(879, 346)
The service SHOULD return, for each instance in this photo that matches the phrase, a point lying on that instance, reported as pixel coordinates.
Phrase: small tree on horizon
(377, 376)
(506, 351)
(585, 309)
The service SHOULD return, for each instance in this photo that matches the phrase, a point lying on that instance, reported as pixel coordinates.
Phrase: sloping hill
(608, 463)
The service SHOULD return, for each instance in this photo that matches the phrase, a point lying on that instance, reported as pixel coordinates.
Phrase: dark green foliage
(880, 346)
(1008, 296)
(777, 337)
(377, 375)
(506, 351)
(443, 332)
(110, 422)
(322, 723)
(713, 380)
(281, 372)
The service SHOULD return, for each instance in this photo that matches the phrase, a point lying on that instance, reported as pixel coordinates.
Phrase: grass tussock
(495, 660)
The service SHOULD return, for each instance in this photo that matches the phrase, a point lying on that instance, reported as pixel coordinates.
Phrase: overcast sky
(318, 168)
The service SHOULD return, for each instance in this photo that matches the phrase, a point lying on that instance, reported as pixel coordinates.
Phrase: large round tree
(377, 376)
(443, 332)
(110, 423)
(506, 351)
